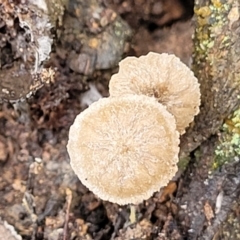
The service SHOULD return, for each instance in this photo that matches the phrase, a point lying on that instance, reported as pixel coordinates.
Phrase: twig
(68, 200)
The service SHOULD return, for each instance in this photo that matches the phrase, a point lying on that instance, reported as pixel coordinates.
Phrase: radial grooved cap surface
(124, 149)
(164, 77)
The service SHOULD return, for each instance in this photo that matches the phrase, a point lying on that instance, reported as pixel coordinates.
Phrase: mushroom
(164, 77)
(124, 149)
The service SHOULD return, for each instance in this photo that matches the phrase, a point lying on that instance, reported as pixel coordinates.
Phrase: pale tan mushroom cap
(124, 149)
(164, 77)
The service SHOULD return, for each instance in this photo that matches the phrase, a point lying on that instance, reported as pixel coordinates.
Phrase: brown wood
(216, 64)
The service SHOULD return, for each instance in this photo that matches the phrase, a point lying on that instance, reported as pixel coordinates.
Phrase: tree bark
(209, 190)
(216, 64)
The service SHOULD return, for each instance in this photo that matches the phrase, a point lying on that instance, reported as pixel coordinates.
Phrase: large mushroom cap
(164, 77)
(124, 149)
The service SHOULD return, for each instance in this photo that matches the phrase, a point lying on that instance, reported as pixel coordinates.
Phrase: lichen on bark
(216, 64)
(228, 146)
(214, 176)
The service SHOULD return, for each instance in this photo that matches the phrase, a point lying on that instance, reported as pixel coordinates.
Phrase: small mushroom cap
(124, 149)
(164, 77)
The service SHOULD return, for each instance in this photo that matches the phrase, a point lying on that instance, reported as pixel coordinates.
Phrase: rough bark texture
(210, 191)
(216, 64)
(209, 196)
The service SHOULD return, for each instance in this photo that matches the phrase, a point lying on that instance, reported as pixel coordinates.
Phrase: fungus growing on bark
(124, 149)
(164, 77)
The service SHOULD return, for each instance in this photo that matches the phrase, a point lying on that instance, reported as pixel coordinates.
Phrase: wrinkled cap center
(124, 148)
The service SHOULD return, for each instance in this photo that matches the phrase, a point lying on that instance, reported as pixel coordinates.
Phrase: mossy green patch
(229, 141)
(183, 163)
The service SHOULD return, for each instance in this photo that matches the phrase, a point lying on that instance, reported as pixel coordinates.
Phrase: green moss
(183, 163)
(229, 141)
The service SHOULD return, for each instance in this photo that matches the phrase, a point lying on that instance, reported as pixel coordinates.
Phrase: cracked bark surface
(216, 65)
